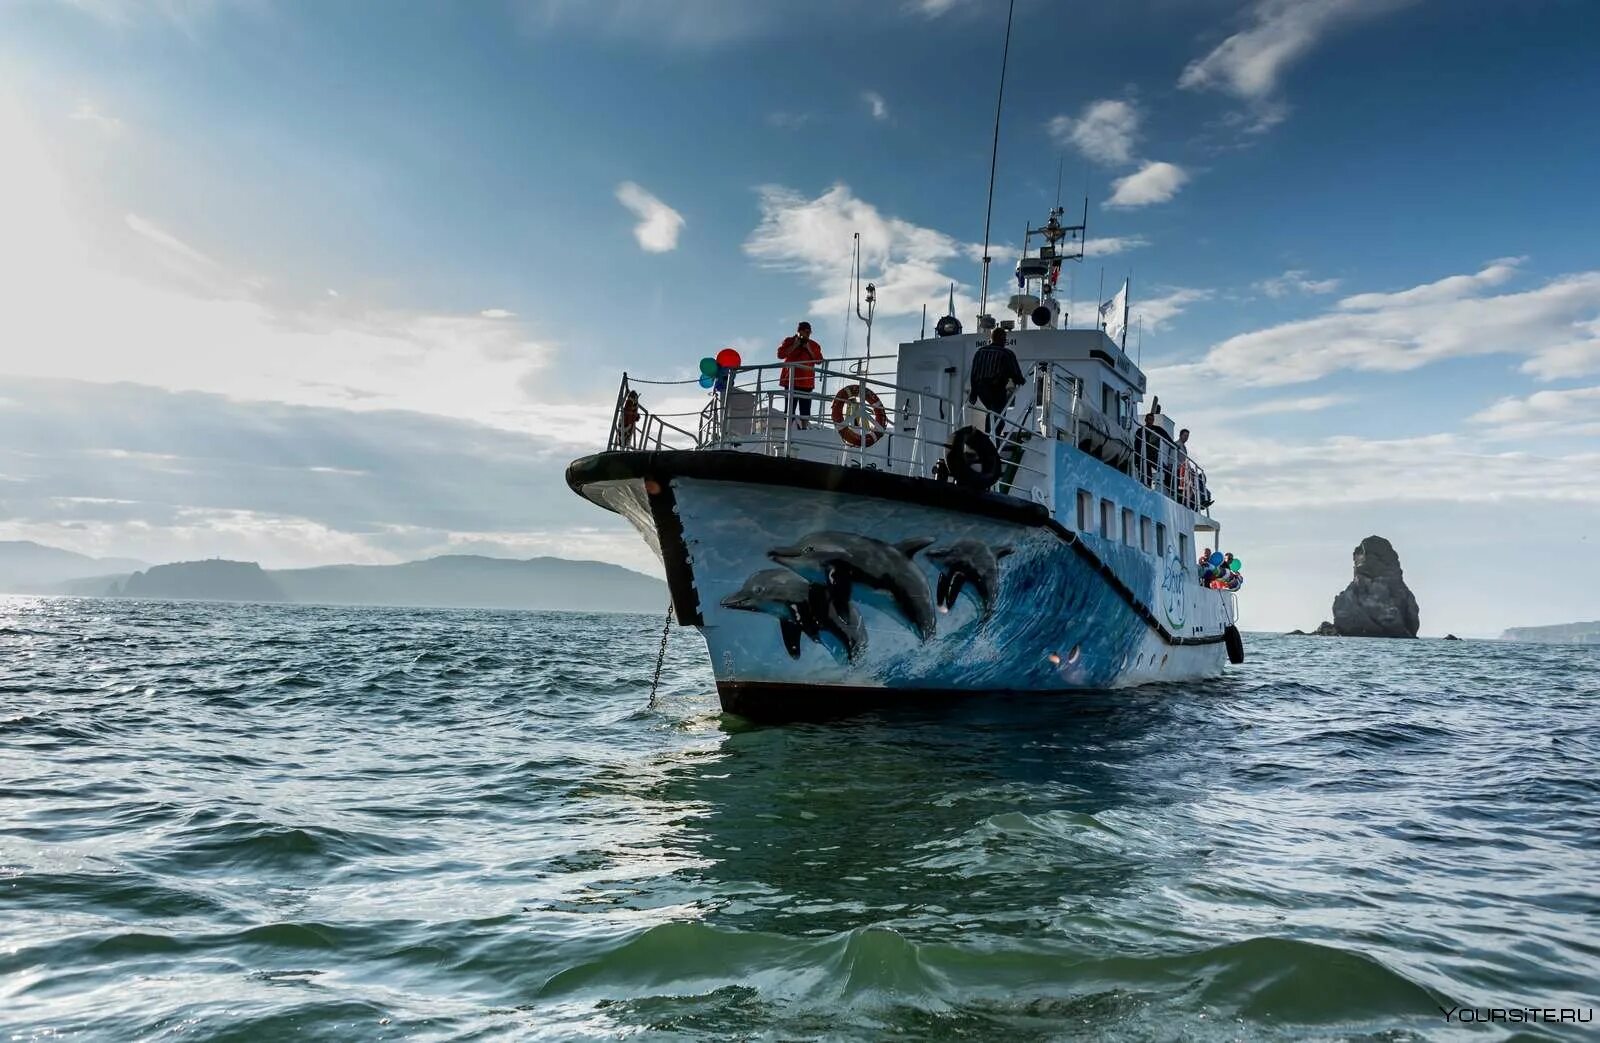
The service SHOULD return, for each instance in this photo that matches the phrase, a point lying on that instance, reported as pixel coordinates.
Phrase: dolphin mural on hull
(802, 608)
(841, 560)
(968, 564)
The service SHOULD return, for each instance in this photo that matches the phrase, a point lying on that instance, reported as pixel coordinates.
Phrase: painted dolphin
(801, 608)
(968, 562)
(839, 560)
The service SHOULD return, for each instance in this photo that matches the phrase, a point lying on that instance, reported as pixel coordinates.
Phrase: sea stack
(1377, 603)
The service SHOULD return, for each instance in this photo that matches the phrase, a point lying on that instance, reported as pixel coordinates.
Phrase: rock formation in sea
(1377, 603)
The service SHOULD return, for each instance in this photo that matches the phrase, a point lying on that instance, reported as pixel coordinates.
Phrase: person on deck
(1186, 482)
(799, 378)
(995, 371)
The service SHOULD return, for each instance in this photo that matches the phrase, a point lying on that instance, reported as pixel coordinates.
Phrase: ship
(907, 542)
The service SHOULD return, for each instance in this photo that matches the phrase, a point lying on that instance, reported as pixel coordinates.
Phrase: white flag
(1114, 314)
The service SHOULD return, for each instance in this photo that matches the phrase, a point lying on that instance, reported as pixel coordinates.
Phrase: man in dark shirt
(994, 371)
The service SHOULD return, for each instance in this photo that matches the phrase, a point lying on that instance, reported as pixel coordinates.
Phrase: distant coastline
(1557, 634)
(448, 581)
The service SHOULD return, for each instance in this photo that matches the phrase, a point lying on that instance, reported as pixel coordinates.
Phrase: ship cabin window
(1145, 525)
(1085, 510)
(1161, 540)
(1183, 548)
(1125, 412)
(1127, 526)
(1108, 518)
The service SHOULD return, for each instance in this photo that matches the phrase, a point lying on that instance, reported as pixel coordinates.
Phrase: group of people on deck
(995, 375)
(1178, 472)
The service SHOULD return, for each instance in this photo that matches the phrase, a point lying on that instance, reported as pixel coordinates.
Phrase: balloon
(1215, 559)
(728, 358)
(721, 380)
(706, 381)
(1237, 564)
(1236, 582)
(708, 366)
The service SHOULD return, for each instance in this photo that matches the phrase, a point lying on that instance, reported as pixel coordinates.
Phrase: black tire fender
(1235, 643)
(973, 460)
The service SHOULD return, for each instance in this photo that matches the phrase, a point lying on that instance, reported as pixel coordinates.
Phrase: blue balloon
(706, 381)
(1216, 559)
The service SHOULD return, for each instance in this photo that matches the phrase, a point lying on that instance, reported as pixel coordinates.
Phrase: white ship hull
(822, 588)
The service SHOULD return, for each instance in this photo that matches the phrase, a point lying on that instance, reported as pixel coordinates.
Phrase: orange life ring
(860, 429)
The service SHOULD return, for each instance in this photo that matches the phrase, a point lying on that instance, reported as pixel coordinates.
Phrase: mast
(994, 159)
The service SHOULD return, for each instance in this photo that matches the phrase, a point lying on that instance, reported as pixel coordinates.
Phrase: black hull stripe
(729, 466)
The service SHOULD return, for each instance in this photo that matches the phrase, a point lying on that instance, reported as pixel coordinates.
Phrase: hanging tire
(1235, 643)
(972, 459)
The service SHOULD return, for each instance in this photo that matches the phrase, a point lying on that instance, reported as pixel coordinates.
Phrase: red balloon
(728, 358)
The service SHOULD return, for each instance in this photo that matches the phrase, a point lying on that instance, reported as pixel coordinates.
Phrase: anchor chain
(661, 656)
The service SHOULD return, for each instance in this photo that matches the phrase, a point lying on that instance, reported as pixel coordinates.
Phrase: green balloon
(708, 367)
(1235, 564)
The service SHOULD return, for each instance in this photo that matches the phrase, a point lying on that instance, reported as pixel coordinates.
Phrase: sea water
(254, 822)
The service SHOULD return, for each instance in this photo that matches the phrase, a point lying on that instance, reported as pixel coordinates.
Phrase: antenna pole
(1099, 299)
(923, 334)
(1127, 285)
(850, 292)
(994, 159)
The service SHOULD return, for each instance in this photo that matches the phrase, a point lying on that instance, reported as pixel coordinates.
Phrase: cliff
(1377, 603)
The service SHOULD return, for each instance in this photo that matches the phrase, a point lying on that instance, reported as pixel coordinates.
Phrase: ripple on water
(245, 822)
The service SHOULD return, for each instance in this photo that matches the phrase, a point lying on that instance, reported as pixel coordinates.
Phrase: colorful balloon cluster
(714, 370)
(1221, 572)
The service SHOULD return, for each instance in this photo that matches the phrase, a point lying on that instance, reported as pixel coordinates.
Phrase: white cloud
(1105, 131)
(876, 105)
(1107, 245)
(1159, 310)
(659, 224)
(1556, 326)
(85, 302)
(686, 24)
(789, 120)
(166, 240)
(1295, 280)
(935, 8)
(1152, 183)
(1250, 63)
(1272, 473)
(813, 237)
(88, 112)
(1570, 413)
(497, 313)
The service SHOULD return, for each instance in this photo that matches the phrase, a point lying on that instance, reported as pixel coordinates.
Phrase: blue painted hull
(810, 594)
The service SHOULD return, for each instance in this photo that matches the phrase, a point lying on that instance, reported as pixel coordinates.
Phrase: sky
(305, 283)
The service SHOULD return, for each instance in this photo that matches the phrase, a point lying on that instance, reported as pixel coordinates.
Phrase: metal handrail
(753, 410)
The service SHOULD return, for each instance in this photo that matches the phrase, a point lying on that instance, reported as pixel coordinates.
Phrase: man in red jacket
(800, 376)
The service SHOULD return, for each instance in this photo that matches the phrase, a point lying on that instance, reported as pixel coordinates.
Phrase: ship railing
(864, 420)
(637, 426)
(1163, 465)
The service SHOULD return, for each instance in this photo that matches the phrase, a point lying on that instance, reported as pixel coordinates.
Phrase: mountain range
(448, 581)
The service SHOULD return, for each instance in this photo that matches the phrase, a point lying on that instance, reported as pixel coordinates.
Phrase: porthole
(1072, 656)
